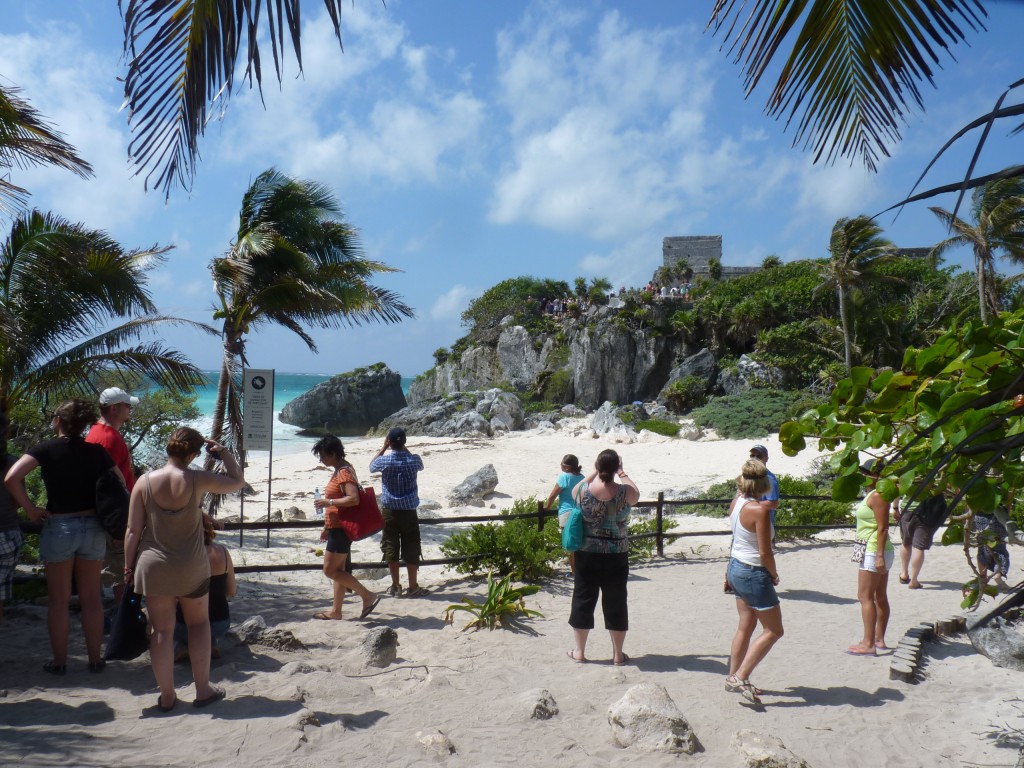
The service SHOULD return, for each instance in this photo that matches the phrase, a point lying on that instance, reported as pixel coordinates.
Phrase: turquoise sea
(287, 386)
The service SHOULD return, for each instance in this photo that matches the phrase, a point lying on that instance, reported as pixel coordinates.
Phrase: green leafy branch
(503, 603)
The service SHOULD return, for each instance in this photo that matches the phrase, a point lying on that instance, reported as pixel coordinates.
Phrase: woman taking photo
(166, 559)
(72, 541)
(341, 491)
(602, 563)
(753, 576)
(874, 555)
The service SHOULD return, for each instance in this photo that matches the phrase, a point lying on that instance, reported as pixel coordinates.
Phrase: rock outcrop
(1001, 641)
(471, 491)
(349, 403)
(465, 413)
(762, 750)
(648, 719)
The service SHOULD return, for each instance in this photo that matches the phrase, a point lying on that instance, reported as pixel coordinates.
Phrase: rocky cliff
(586, 361)
(349, 403)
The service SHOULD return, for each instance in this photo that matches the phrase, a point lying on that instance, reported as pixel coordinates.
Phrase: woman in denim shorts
(753, 576)
(72, 541)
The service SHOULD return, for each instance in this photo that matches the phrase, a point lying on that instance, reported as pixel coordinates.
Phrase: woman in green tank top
(875, 557)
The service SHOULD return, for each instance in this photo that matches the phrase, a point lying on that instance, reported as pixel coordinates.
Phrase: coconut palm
(61, 284)
(997, 213)
(294, 263)
(27, 140)
(856, 248)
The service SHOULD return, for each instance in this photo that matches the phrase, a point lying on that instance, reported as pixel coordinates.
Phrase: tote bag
(572, 534)
(128, 638)
(363, 520)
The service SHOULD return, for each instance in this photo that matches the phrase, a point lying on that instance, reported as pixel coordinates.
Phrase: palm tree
(61, 282)
(294, 263)
(997, 210)
(856, 248)
(26, 139)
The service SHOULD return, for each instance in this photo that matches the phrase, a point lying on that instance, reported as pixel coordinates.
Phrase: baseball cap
(759, 449)
(396, 435)
(115, 395)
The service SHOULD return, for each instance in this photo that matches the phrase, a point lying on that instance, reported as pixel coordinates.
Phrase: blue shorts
(752, 585)
(66, 538)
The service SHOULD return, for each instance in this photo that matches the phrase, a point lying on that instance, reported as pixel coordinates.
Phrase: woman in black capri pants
(602, 563)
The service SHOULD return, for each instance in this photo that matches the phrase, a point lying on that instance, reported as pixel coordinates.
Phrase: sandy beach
(317, 706)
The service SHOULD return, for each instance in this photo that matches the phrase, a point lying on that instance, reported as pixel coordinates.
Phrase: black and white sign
(258, 408)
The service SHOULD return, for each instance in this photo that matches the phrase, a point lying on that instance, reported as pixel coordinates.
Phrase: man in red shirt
(115, 409)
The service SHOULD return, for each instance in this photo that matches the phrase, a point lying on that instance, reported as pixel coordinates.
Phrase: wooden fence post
(540, 515)
(660, 517)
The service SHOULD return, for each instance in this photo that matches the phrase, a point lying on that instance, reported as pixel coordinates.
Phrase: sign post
(258, 423)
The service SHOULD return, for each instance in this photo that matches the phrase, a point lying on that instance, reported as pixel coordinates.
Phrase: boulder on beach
(349, 403)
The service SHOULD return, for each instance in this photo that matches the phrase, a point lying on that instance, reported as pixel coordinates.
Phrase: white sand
(829, 708)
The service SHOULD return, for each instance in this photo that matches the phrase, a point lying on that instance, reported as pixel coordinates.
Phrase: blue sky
(470, 142)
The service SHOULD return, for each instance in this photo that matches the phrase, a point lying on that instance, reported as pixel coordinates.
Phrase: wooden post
(540, 515)
(659, 517)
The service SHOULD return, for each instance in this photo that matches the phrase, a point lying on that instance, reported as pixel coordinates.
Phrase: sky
(473, 142)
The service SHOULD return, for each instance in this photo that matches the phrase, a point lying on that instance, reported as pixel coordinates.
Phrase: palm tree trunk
(221, 405)
(979, 264)
(844, 321)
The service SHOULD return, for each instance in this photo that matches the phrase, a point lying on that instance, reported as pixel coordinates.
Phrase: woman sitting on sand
(602, 563)
(753, 576)
(875, 555)
(342, 490)
(165, 557)
(564, 485)
(222, 589)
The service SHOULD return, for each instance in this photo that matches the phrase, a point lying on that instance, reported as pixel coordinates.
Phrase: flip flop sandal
(622, 662)
(54, 668)
(369, 609)
(162, 708)
(904, 581)
(216, 696)
(572, 655)
(324, 616)
(853, 651)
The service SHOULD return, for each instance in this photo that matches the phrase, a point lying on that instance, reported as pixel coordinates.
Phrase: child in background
(571, 477)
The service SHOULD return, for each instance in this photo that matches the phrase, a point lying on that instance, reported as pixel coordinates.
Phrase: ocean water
(287, 386)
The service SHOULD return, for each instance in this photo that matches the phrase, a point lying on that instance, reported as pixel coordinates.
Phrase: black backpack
(933, 512)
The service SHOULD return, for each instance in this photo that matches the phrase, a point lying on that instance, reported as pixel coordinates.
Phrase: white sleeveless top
(744, 542)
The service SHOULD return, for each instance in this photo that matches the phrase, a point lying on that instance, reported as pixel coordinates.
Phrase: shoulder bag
(112, 499)
(362, 520)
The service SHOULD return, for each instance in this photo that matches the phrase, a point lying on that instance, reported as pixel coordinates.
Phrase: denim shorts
(66, 538)
(752, 585)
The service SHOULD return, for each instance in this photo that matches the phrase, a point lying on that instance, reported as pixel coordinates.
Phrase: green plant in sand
(504, 602)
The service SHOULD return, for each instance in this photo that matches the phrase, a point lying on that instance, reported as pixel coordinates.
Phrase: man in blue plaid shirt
(399, 500)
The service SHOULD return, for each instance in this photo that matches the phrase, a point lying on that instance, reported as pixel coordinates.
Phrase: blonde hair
(753, 481)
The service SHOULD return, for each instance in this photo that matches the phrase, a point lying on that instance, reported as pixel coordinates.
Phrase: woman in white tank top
(753, 576)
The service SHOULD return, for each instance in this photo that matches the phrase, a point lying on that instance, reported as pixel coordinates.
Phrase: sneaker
(394, 590)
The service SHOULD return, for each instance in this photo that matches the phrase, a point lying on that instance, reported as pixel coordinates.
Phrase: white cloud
(76, 91)
(452, 303)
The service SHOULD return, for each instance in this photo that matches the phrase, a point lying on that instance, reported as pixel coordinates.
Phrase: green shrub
(643, 549)
(558, 387)
(686, 394)
(511, 547)
(658, 426)
(755, 413)
(790, 511)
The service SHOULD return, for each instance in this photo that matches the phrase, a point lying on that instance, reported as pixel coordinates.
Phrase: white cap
(115, 395)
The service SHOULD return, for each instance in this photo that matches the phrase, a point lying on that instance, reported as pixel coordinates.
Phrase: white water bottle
(319, 511)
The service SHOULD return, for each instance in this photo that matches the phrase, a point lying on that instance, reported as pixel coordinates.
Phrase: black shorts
(400, 539)
(338, 541)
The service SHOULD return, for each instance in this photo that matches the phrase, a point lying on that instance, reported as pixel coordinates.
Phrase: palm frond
(26, 140)
(182, 56)
(852, 66)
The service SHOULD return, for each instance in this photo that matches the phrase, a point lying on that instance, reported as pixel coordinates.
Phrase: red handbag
(363, 520)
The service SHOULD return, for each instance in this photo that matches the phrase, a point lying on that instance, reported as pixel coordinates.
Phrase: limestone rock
(471, 491)
(249, 631)
(294, 513)
(296, 668)
(538, 704)
(349, 403)
(519, 361)
(607, 419)
(1000, 641)
(506, 412)
(380, 647)
(762, 750)
(305, 717)
(280, 640)
(436, 742)
(648, 719)
(429, 505)
(748, 374)
(701, 365)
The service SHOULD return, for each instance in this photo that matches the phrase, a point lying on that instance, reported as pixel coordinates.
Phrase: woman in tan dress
(165, 531)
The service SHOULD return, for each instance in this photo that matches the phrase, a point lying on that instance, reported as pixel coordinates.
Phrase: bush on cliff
(518, 297)
(755, 413)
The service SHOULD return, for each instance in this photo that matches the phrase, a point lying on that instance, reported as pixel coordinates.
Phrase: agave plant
(503, 602)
